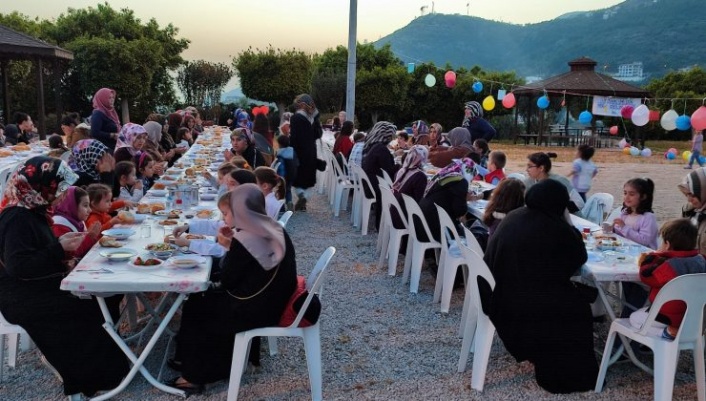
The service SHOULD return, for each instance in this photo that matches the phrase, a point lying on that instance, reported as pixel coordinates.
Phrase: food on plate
(189, 172)
(126, 217)
(6, 153)
(144, 208)
(204, 214)
(158, 185)
(146, 262)
(156, 207)
(185, 262)
(21, 148)
(173, 215)
(606, 243)
(170, 237)
(168, 222)
(167, 178)
(159, 247)
(109, 242)
(605, 237)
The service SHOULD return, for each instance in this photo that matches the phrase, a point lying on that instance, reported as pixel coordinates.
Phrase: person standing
(697, 142)
(105, 124)
(305, 130)
(474, 122)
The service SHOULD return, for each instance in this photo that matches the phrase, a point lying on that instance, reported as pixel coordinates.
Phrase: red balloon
(613, 130)
(256, 110)
(450, 83)
(626, 111)
(450, 76)
(698, 119)
(265, 109)
(509, 101)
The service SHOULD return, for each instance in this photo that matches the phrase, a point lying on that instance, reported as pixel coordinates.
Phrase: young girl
(237, 177)
(127, 186)
(70, 215)
(145, 170)
(697, 142)
(583, 170)
(273, 187)
(637, 222)
(507, 196)
(100, 197)
(218, 182)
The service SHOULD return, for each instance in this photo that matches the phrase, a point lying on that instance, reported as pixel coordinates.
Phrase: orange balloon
(626, 150)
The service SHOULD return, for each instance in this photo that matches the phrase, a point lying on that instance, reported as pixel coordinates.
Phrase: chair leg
(337, 202)
(416, 270)
(665, 368)
(469, 330)
(367, 207)
(272, 345)
(483, 343)
(439, 278)
(393, 253)
(12, 340)
(237, 367)
(699, 369)
(2, 355)
(604, 361)
(312, 347)
(408, 258)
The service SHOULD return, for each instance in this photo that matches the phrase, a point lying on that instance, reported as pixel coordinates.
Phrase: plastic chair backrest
(344, 164)
(365, 181)
(285, 218)
(472, 242)
(387, 178)
(476, 268)
(388, 203)
(517, 176)
(413, 210)
(448, 229)
(382, 182)
(337, 170)
(315, 282)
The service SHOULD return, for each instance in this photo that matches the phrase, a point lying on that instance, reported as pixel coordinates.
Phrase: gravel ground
(381, 342)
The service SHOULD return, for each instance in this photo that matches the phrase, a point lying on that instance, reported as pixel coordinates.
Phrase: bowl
(158, 192)
(185, 261)
(118, 254)
(612, 257)
(161, 250)
(119, 233)
(208, 197)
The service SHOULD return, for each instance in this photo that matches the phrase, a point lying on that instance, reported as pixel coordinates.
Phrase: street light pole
(350, 77)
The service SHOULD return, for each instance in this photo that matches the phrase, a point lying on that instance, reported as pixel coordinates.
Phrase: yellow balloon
(686, 155)
(626, 150)
(489, 103)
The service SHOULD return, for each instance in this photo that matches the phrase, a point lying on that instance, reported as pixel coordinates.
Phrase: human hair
(283, 141)
(438, 127)
(336, 121)
(506, 197)
(541, 159)
(187, 119)
(142, 160)
(261, 124)
(403, 135)
(225, 168)
(224, 200)
(586, 151)
(358, 137)
(122, 169)
(56, 142)
(156, 117)
(20, 117)
(80, 193)
(498, 158)
(482, 144)
(69, 121)
(266, 175)
(243, 176)
(97, 192)
(347, 128)
(645, 187)
(180, 134)
(240, 162)
(680, 233)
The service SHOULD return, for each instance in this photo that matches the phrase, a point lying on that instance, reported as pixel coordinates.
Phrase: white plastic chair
(5, 177)
(450, 259)
(342, 186)
(604, 201)
(310, 335)
(366, 204)
(390, 237)
(517, 176)
(11, 333)
(285, 218)
(416, 247)
(386, 177)
(382, 231)
(690, 289)
(478, 331)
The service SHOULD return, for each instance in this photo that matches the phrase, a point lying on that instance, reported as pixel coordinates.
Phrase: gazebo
(582, 80)
(19, 46)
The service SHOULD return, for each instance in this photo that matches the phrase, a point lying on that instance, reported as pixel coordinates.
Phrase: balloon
(501, 94)
(683, 123)
(646, 152)
(613, 130)
(410, 67)
(430, 80)
(543, 102)
(509, 101)
(626, 150)
(626, 111)
(686, 155)
(698, 118)
(623, 143)
(450, 79)
(488, 103)
(477, 87)
(641, 115)
(669, 120)
(256, 110)
(702, 159)
(673, 150)
(265, 109)
(585, 117)
(670, 156)
(634, 151)
(450, 83)
(654, 115)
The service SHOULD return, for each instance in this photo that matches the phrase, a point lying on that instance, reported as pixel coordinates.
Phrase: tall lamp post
(350, 77)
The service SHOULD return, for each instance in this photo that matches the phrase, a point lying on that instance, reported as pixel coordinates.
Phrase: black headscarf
(548, 196)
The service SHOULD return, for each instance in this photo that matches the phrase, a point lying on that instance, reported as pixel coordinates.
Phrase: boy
(676, 256)
(496, 164)
(288, 165)
(583, 170)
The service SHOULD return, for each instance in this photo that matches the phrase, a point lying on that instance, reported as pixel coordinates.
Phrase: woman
(420, 133)
(539, 167)
(67, 330)
(258, 275)
(151, 146)
(167, 141)
(130, 141)
(461, 146)
(410, 180)
(105, 124)
(93, 163)
(435, 137)
(473, 121)
(343, 144)
(305, 130)
(693, 186)
(376, 157)
(539, 314)
(243, 145)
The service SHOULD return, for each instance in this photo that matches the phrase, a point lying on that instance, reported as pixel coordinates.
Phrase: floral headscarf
(37, 182)
(68, 209)
(101, 102)
(85, 155)
(127, 136)
(416, 156)
(382, 132)
(457, 170)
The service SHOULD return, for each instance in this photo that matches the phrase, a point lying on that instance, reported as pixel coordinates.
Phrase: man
(20, 131)
(305, 130)
(342, 116)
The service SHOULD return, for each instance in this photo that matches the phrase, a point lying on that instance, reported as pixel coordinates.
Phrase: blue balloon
(543, 102)
(671, 156)
(585, 117)
(634, 151)
(683, 122)
(477, 87)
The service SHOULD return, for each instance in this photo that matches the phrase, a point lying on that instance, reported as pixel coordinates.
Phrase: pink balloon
(613, 130)
(626, 111)
(698, 119)
(509, 101)
(450, 76)
(256, 110)
(450, 83)
(265, 109)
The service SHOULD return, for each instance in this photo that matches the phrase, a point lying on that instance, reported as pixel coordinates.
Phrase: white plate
(158, 192)
(617, 257)
(208, 197)
(185, 261)
(120, 233)
(118, 254)
(131, 264)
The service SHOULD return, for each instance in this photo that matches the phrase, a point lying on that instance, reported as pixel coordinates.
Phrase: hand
(225, 237)
(169, 155)
(95, 230)
(129, 204)
(71, 241)
(473, 197)
(159, 169)
(138, 184)
(181, 241)
(181, 150)
(106, 164)
(619, 223)
(179, 230)
(228, 155)
(207, 175)
(115, 220)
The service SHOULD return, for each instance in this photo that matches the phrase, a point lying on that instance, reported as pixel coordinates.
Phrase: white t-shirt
(272, 205)
(584, 171)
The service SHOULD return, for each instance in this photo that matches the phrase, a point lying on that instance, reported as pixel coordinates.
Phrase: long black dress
(210, 320)
(303, 139)
(538, 313)
(67, 330)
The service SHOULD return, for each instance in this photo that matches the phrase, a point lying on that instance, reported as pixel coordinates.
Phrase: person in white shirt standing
(583, 170)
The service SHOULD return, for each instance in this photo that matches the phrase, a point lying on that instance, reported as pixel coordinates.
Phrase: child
(240, 162)
(357, 151)
(70, 215)
(677, 256)
(272, 186)
(237, 177)
(696, 144)
(100, 197)
(218, 181)
(145, 170)
(583, 170)
(56, 144)
(205, 227)
(288, 165)
(481, 146)
(184, 138)
(496, 164)
(126, 185)
(508, 196)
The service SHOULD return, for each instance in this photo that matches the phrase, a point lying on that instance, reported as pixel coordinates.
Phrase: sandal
(185, 386)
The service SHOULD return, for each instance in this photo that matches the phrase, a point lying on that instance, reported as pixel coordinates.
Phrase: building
(630, 72)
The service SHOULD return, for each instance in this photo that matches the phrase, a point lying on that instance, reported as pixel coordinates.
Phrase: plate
(613, 257)
(139, 218)
(163, 251)
(185, 261)
(208, 197)
(158, 192)
(595, 257)
(119, 233)
(131, 264)
(118, 254)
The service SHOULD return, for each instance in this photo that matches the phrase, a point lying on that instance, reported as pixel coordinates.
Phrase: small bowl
(162, 254)
(118, 254)
(119, 233)
(185, 261)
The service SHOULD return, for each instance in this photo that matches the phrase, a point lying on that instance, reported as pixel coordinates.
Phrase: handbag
(294, 306)
(257, 293)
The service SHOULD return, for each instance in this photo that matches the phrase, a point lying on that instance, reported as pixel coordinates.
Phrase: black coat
(451, 197)
(303, 139)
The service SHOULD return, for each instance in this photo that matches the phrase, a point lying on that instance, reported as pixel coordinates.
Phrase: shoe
(174, 364)
(687, 167)
(50, 367)
(185, 386)
(290, 206)
(301, 204)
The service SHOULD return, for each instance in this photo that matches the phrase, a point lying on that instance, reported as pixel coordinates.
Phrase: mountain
(232, 95)
(662, 34)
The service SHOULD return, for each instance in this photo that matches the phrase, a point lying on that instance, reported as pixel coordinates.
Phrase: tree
(202, 82)
(277, 76)
(679, 85)
(382, 90)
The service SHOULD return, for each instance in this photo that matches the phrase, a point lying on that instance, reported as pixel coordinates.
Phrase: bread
(21, 148)
(156, 207)
(126, 217)
(144, 208)
(158, 185)
(168, 223)
(109, 242)
(6, 153)
(203, 214)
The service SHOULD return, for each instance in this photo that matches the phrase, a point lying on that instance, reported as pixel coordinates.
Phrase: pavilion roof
(18, 46)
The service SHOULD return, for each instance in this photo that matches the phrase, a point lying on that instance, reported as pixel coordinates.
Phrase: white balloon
(641, 115)
(430, 81)
(669, 120)
(622, 143)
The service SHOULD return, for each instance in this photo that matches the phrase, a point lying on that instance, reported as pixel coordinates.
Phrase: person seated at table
(461, 146)
(677, 256)
(495, 172)
(258, 275)
(376, 157)
(409, 180)
(272, 186)
(67, 330)
(81, 131)
(436, 138)
(239, 176)
(131, 139)
(506, 197)
(93, 163)
(538, 312)
(481, 147)
(539, 166)
(243, 143)
(402, 141)
(474, 122)
(21, 131)
(218, 181)
(70, 215)
(153, 147)
(100, 197)
(693, 186)
(184, 138)
(357, 151)
(56, 146)
(145, 170)
(126, 186)
(420, 133)
(343, 144)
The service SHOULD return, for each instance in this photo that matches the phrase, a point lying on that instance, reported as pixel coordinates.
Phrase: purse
(257, 293)
(295, 303)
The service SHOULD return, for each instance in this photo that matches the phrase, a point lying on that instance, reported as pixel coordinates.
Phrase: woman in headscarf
(436, 138)
(131, 140)
(693, 186)
(167, 142)
(305, 130)
(474, 122)
(67, 330)
(376, 157)
(540, 315)
(420, 133)
(105, 124)
(151, 146)
(410, 180)
(93, 163)
(461, 146)
(242, 141)
(258, 275)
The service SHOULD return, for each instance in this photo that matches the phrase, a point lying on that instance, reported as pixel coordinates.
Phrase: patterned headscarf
(262, 236)
(457, 170)
(245, 133)
(422, 128)
(382, 132)
(476, 112)
(460, 137)
(695, 183)
(37, 182)
(416, 156)
(101, 102)
(127, 136)
(68, 209)
(85, 155)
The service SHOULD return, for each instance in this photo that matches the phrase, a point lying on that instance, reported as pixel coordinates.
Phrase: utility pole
(350, 77)
(468, 8)
(432, 7)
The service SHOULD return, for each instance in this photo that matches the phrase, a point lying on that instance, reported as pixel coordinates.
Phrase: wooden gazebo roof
(18, 46)
(582, 79)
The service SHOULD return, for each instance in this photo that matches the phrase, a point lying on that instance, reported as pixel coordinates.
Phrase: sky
(220, 29)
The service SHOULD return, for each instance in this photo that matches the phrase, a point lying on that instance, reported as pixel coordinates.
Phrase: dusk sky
(220, 29)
